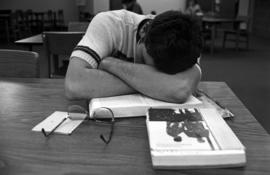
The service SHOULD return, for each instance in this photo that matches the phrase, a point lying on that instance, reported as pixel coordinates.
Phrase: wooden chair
(78, 26)
(17, 63)
(59, 44)
(238, 34)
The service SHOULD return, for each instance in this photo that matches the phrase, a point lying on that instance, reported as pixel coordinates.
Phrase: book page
(133, 105)
(182, 129)
(121, 106)
(157, 103)
(221, 131)
(120, 101)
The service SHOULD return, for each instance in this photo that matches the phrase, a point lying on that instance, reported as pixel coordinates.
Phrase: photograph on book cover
(183, 129)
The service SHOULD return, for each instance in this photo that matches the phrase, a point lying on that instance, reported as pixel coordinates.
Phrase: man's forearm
(149, 81)
(83, 82)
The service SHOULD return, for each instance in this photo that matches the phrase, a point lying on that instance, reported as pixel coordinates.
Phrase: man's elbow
(75, 90)
(187, 87)
(70, 90)
(181, 95)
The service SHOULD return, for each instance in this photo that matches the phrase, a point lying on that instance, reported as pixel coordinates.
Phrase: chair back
(60, 44)
(78, 26)
(18, 63)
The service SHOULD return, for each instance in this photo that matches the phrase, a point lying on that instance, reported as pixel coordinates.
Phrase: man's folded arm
(84, 82)
(151, 82)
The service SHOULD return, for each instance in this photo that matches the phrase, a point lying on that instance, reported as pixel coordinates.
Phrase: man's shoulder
(122, 15)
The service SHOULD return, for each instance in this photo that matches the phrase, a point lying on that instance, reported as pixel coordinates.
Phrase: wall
(101, 5)
(94, 6)
(69, 6)
(161, 5)
(261, 22)
(115, 4)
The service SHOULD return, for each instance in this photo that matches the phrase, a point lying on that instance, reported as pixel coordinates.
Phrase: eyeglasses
(105, 115)
(102, 115)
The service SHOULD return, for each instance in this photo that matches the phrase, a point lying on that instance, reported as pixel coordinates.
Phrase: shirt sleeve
(199, 60)
(97, 42)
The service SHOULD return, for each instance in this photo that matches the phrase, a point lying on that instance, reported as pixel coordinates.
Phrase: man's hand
(151, 82)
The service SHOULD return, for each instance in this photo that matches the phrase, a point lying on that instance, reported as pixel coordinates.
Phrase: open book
(193, 137)
(134, 105)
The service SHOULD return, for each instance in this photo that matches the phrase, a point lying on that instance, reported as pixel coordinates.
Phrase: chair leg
(247, 43)
(55, 63)
(224, 39)
(237, 41)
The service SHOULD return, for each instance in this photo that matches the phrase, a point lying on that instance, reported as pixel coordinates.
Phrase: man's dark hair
(174, 41)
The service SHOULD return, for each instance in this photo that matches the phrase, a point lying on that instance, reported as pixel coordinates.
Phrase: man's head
(192, 2)
(173, 41)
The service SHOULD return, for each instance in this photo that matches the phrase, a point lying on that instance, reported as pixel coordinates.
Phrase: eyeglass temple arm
(107, 141)
(52, 131)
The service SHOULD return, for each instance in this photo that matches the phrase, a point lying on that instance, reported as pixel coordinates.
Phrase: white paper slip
(54, 119)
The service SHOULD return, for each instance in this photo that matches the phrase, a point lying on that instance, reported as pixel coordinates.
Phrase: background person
(132, 5)
(193, 8)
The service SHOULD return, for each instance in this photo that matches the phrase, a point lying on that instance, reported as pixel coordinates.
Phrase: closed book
(134, 105)
(192, 138)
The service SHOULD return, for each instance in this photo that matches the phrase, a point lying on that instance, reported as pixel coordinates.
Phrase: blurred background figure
(132, 5)
(193, 8)
(153, 12)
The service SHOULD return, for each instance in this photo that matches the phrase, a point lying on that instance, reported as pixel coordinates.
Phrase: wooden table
(213, 22)
(31, 41)
(26, 102)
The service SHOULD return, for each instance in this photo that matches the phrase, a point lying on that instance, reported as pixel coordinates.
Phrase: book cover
(192, 137)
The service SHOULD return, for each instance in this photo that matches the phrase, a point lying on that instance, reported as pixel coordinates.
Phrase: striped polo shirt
(112, 33)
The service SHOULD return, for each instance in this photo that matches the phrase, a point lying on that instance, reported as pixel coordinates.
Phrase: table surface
(33, 40)
(26, 102)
